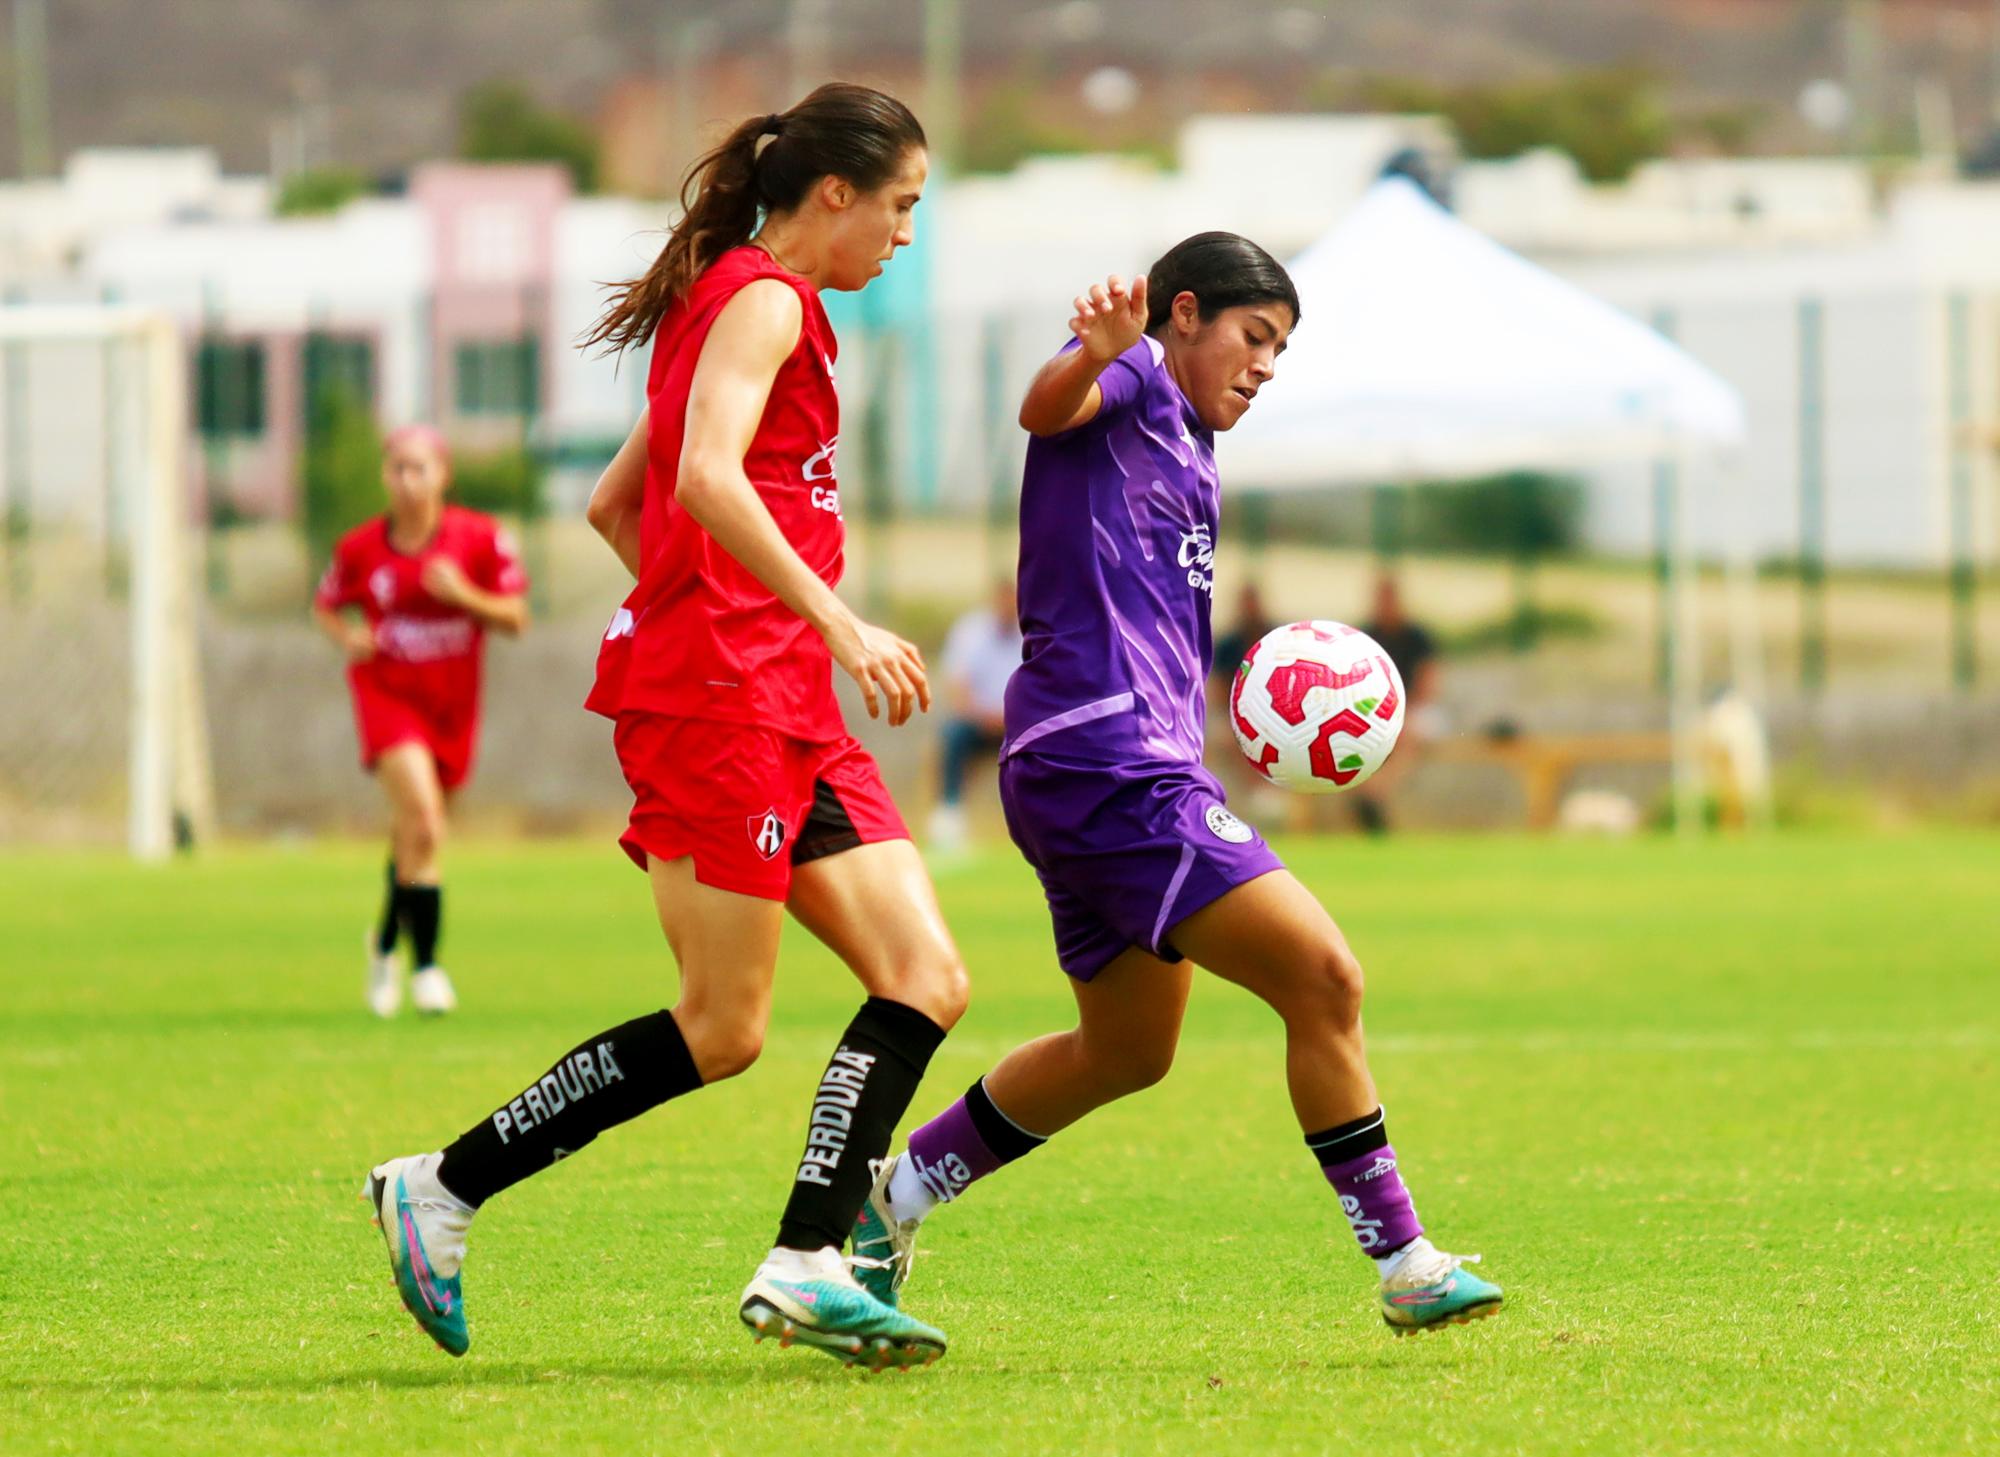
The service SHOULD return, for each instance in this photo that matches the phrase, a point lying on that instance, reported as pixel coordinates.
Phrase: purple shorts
(1125, 852)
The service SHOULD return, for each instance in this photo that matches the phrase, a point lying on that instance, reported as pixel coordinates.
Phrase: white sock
(1388, 1265)
(445, 1216)
(824, 1263)
(910, 1198)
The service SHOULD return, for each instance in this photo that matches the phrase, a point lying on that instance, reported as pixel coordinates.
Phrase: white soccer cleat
(949, 833)
(425, 1225)
(385, 979)
(431, 992)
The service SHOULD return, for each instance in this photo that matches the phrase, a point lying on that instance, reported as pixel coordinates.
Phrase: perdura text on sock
(833, 1114)
(572, 1080)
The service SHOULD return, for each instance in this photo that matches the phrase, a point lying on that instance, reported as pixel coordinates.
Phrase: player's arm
(354, 638)
(504, 612)
(1107, 320)
(746, 346)
(620, 495)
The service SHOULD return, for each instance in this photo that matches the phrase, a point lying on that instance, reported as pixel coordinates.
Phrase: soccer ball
(1317, 706)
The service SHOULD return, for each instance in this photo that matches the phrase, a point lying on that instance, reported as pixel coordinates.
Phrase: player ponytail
(1222, 271)
(766, 165)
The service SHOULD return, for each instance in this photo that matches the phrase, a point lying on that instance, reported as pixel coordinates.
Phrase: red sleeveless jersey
(699, 637)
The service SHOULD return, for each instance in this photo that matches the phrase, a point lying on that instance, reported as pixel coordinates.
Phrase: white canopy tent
(1427, 351)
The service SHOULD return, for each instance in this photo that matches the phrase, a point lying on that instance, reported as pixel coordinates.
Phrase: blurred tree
(1730, 130)
(503, 483)
(1007, 128)
(342, 467)
(1609, 120)
(320, 190)
(498, 121)
(1522, 514)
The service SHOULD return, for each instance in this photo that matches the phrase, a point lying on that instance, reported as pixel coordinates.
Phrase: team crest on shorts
(767, 833)
(1225, 826)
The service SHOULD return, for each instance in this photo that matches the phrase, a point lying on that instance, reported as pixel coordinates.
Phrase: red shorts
(746, 803)
(385, 720)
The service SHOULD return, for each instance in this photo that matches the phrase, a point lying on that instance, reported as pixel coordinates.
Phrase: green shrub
(341, 468)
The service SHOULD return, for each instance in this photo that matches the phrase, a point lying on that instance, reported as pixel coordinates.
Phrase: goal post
(105, 720)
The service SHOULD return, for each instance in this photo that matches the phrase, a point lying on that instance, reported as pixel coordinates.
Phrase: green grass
(1721, 1119)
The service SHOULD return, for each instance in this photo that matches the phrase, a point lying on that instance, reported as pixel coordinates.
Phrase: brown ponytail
(841, 130)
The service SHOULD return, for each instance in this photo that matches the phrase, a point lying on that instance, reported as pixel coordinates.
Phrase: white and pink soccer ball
(1317, 706)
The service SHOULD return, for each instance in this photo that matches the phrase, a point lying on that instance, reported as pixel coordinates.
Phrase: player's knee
(723, 1047)
(935, 984)
(947, 990)
(420, 836)
(1135, 1066)
(1335, 985)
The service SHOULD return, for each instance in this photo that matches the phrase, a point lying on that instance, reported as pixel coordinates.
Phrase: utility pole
(31, 88)
(809, 37)
(944, 67)
(684, 48)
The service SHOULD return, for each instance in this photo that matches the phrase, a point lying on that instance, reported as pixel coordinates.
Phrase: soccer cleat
(810, 1298)
(425, 1230)
(385, 978)
(431, 992)
(884, 1246)
(1430, 1289)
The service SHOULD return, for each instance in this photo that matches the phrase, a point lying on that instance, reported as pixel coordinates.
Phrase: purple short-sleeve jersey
(1118, 521)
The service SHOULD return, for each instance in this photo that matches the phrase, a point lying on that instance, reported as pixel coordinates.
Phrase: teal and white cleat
(883, 1246)
(1429, 1288)
(811, 1298)
(425, 1228)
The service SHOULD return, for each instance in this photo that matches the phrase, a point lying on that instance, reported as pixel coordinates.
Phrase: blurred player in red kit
(409, 598)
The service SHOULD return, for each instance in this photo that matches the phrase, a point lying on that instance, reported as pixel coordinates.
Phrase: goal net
(102, 732)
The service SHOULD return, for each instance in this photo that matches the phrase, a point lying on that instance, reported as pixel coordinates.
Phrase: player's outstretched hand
(445, 580)
(1110, 318)
(888, 668)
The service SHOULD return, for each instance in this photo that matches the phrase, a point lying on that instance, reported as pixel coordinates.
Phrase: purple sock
(966, 1142)
(1359, 1162)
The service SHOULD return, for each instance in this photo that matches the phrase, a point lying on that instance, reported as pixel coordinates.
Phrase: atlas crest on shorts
(767, 833)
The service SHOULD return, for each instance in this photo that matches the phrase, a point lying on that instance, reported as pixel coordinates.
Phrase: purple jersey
(1114, 614)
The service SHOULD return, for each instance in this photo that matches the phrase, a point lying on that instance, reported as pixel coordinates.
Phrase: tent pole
(1685, 664)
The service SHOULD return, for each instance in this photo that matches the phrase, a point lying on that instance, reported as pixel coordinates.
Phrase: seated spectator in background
(1252, 622)
(980, 654)
(1414, 652)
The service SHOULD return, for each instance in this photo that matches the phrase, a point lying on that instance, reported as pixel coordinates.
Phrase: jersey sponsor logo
(572, 1080)
(767, 833)
(819, 465)
(382, 587)
(827, 498)
(423, 639)
(1225, 826)
(1197, 558)
(622, 625)
(840, 1089)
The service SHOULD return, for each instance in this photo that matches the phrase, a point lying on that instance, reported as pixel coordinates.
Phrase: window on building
(498, 377)
(336, 363)
(229, 387)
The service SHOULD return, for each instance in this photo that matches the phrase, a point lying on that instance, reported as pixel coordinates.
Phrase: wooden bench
(1543, 763)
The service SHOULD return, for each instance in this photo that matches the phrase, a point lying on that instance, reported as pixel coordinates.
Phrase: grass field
(1721, 1119)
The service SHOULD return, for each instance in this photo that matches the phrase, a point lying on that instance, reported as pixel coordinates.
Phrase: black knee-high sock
(423, 917)
(863, 1093)
(604, 1081)
(392, 906)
